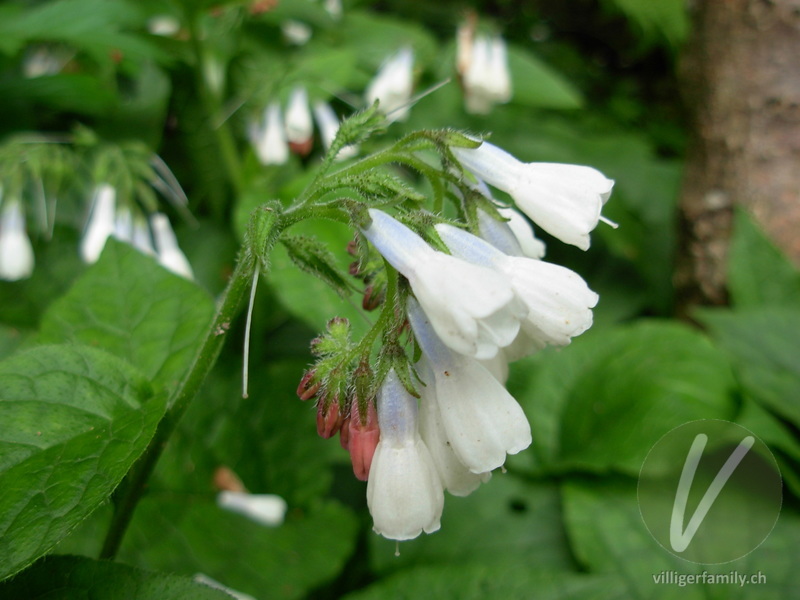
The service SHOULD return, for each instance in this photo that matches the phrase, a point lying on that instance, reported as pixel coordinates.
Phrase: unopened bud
(372, 298)
(329, 419)
(355, 268)
(352, 248)
(226, 480)
(308, 386)
(344, 434)
(363, 439)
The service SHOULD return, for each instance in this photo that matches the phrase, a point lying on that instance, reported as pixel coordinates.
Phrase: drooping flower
(404, 494)
(362, 439)
(328, 124)
(100, 224)
(482, 421)
(299, 126)
(265, 509)
(564, 200)
(296, 32)
(16, 251)
(472, 308)
(456, 478)
(486, 79)
(393, 85)
(514, 237)
(558, 300)
(169, 254)
(269, 137)
(141, 239)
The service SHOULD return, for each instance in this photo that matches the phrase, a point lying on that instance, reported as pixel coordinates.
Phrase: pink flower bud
(308, 386)
(372, 298)
(329, 420)
(363, 439)
(344, 434)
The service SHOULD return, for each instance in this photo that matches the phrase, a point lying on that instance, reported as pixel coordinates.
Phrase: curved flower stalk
(393, 84)
(169, 254)
(564, 200)
(472, 308)
(558, 300)
(101, 222)
(482, 421)
(328, 124)
(16, 251)
(404, 494)
(455, 476)
(269, 137)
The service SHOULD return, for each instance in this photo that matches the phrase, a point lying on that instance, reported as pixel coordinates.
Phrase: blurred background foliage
(594, 83)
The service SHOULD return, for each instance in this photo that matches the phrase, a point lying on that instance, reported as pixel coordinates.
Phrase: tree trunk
(741, 80)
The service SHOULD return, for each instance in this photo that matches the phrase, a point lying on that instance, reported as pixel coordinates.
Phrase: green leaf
(668, 19)
(313, 257)
(510, 580)
(602, 402)
(130, 306)
(190, 535)
(72, 422)
(537, 84)
(72, 92)
(758, 273)
(764, 345)
(502, 520)
(609, 536)
(65, 577)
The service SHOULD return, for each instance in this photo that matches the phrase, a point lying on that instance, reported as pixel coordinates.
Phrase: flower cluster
(476, 298)
(482, 65)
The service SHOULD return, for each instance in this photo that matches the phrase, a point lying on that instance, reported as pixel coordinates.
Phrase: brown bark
(741, 80)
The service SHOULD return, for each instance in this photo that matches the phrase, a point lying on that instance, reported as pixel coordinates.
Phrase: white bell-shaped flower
(328, 124)
(393, 85)
(299, 126)
(455, 476)
(265, 509)
(564, 200)
(141, 239)
(558, 300)
(269, 137)
(123, 225)
(514, 237)
(170, 256)
(404, 493)
(101, 222)
(482, 421)
(487, 80)
(472, 308)
(16, 251)
(296, 32)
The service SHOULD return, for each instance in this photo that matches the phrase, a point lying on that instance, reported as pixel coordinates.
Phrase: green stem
(131, 489)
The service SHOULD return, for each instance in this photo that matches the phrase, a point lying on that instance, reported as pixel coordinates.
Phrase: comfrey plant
(420, 401)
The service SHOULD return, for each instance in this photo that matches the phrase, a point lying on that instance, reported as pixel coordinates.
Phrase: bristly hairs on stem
(248, 323)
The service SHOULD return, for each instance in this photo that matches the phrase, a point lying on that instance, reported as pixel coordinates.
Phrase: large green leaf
(758, 273)
(502, 520)
(130, 306)
(68, 577)
(764, 345)
(668, 19)
(509, 580)
(603, 402)
(72, 422)
(537, 84)
(191, 534)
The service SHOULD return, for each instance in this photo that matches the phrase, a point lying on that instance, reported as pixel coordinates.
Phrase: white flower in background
(123, 225)
(404, 494)
(455, 476)
(328, 124)
(100, 224)
(558, 300)
(564, 200)
(299, 126)
(514, 237)
(482, 421)
(269, 137)
(168, 252)
(163, 25)
(393, 85)
(472, 308)
(16, 252)
(141, 239)
(486, 80)
(265, 509)
(334, 8)
(296, 32)
(45, 60)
